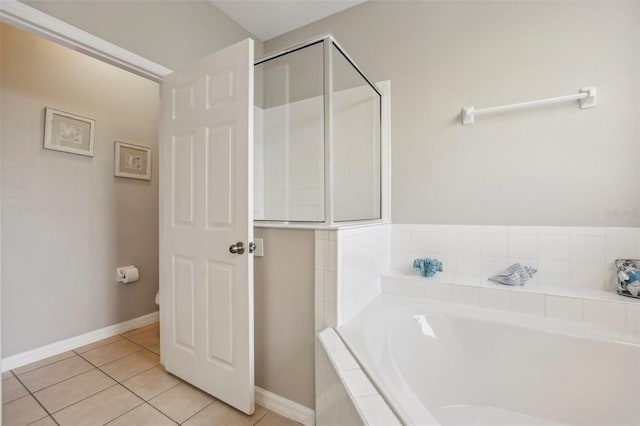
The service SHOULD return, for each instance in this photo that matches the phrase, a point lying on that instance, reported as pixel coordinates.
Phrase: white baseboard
(37, 354)
(285, 407)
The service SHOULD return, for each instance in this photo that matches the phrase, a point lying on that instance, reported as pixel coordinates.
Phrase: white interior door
(206, 292)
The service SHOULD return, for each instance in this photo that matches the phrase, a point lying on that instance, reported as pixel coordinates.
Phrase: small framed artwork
(133, 161)
(68, 132)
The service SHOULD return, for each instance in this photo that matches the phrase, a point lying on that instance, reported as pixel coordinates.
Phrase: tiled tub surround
(575, 279)
(344, 393)
(349, 263)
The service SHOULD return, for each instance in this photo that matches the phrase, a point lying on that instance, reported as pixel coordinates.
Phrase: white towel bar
(586, 96)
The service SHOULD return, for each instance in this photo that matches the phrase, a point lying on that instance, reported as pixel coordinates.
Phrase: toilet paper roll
(130, 275)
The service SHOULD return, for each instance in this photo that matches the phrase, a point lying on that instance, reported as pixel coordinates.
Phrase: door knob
(237, 248)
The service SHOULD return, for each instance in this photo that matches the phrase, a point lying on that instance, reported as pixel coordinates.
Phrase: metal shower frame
(328, 40)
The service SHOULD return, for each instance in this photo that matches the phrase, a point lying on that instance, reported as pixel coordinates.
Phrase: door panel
(206, 292)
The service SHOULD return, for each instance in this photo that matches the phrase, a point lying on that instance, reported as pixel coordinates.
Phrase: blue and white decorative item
(515, 274)
(628, 274)
(427, 267)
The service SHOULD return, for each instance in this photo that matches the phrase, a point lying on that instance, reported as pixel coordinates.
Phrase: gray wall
(550, 166)
(284, 320)
(67, 222)
(171, 33)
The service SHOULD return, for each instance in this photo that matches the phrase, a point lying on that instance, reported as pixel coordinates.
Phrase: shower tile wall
(356, 169)
(289, 159)
(289, 162)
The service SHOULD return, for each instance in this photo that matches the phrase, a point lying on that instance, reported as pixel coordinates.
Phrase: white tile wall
(289, 161)
(356, 149)
(575, 279)
(527, 303)
(362, 257)
(349, 263)
(326, 278)
(564, 256)
(561, 307)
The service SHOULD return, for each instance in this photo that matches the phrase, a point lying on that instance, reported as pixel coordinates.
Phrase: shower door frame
(328, 41)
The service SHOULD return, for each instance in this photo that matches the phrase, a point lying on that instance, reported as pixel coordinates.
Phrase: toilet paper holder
(127, 274)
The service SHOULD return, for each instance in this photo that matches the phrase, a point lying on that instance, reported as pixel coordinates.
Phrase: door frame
(25, 17)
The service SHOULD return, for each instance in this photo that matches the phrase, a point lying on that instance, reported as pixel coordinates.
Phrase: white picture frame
(68, 132)
(132, 161)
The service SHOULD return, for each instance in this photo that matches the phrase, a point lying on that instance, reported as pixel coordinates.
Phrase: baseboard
(37, 354)
(285, 407)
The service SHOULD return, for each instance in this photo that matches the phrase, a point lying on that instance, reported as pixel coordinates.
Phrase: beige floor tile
(111, 352)
(131, 365)
(273, 419)
(181, 402)
(98, 344)
(47, 421)
(139, 330)
(7, 375)
(43, 362)
(99, 408)
(151, 383)
(155, 348)
(63, 394)
(220, 414)
(12, 389)
(147, 338)
(22, 411)
(144, 415)
(54, 373)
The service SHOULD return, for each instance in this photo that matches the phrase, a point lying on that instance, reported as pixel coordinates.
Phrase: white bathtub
(438, 363)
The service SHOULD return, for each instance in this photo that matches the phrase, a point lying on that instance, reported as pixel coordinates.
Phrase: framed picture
(68, 132)
(133, 161)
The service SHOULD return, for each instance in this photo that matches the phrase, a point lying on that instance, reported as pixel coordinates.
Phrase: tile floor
(116, 381)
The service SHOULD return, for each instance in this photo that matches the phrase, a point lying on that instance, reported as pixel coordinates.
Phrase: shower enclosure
(317, 143)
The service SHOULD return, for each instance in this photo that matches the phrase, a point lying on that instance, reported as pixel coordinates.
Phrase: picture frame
(132, 161)
(68, 132)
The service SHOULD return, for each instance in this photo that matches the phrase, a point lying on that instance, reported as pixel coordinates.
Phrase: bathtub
(444, 364)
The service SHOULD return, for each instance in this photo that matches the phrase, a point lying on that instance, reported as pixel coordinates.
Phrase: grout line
(261, 417)
(198, 412)
(166, 390)
(82, 399)
(126, 412)
(65, 380)
(158, 410)
(43, 366)
(144, 331)
(53, 384)
(97, 347)
(117, 359)
(148, 369)
(126, 356)
(146, 347)
(36, 399)
(49, 416)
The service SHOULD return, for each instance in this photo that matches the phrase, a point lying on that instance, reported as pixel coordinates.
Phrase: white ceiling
(267, 19)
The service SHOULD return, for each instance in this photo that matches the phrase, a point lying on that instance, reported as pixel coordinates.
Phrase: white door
(206, 207)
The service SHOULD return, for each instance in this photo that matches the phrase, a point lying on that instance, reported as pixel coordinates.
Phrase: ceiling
(267, 19)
